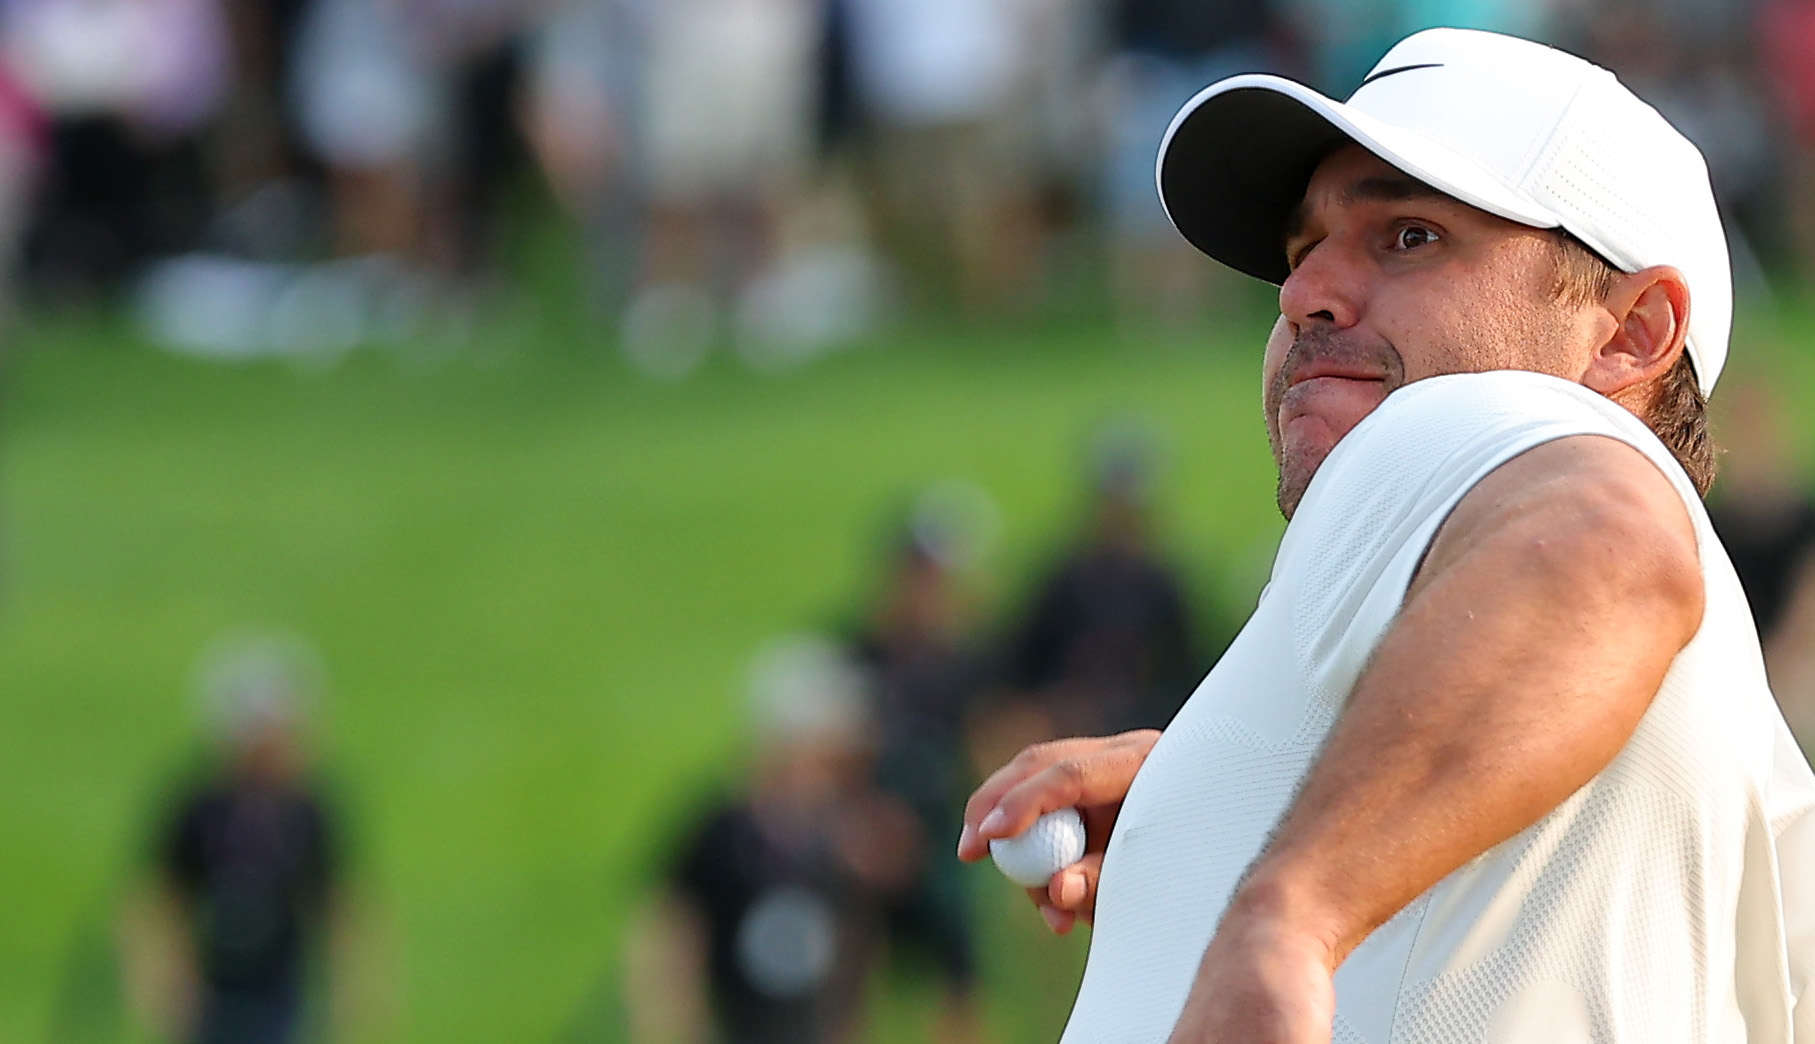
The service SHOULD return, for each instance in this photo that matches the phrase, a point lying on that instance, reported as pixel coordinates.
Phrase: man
(764, 928)
(1107, 640)
(922, 673)
(1494, 759)
(250, 890)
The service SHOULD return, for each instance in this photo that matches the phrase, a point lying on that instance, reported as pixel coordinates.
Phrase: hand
(1092, 775)
(1260, 982)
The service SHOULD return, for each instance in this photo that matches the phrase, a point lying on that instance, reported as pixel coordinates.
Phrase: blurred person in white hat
(763, 925)
(250, 893)
(1495, 758)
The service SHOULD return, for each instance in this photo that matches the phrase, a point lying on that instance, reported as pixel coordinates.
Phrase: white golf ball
(1030, 858)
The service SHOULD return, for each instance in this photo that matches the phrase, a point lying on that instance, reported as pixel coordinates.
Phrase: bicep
(1588, 515)
(1570, 572)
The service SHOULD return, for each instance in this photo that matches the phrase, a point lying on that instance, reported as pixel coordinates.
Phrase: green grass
(536, 579)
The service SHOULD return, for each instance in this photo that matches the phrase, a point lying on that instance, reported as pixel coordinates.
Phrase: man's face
(1392, 282)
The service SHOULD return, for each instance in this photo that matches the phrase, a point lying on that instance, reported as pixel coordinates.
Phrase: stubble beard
(1320, 344)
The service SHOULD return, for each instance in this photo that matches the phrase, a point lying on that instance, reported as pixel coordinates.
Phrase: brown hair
(1679, 410)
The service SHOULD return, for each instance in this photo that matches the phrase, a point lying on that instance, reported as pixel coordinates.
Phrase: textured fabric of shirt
(1667, 900)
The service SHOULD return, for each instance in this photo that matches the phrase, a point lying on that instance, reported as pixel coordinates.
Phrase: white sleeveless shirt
(1670, 899)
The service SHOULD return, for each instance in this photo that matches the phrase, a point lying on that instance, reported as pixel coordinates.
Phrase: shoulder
(716, 827)
(1372, 515)
(1589, 510)
(200, 803)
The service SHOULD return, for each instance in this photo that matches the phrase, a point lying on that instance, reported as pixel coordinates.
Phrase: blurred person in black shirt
(127, 91)
(923, 675)
(1108, 642)
(247, 870)
(764, 928)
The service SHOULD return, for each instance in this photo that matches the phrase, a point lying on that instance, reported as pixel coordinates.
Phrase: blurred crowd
(832, 857)
(789, 882)
(775, 176)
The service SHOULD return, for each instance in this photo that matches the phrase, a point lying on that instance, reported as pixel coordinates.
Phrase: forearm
(157, 960)
(665, 974)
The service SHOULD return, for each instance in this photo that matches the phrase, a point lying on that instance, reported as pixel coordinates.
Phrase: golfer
(1494, 759)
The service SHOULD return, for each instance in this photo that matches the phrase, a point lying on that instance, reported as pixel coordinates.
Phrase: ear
(1651, 312)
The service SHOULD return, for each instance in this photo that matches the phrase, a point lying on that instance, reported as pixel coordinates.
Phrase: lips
(1336, 399)
(1317, 371)
(1329, 380)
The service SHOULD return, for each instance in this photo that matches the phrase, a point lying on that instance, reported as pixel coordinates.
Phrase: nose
(1327, 286)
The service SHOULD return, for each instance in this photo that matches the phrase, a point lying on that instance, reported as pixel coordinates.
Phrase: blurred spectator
(1164, 51)
(943, 86)
(1108, 642)
(727, 124)
(924, 674)
(764, 929)
(259, 124)
(379, 133)
(1694, 61)
(266, 185)
(368, 105)
(1786, 43)
(477, 48)
(249, 880)
(410, 105)
(580, 115)
(128, 86)
(23, 144)
(1764, 510)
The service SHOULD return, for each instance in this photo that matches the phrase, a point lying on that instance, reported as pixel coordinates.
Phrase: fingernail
(964, 838)
(1071, 890)
(1053, 917)
(993, 822)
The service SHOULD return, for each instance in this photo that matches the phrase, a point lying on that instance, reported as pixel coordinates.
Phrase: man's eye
(1412, 236)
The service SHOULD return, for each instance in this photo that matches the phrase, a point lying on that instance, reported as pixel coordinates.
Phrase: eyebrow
(1378, 189)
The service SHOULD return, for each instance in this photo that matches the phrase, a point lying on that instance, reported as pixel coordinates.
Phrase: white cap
(806, 687)
(1513, 127)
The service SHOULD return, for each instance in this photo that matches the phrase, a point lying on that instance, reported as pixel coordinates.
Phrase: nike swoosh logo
(1384, 73)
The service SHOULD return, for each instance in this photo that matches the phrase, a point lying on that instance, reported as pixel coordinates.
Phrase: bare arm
(665, 972)
(157, 959)
(1532, 641)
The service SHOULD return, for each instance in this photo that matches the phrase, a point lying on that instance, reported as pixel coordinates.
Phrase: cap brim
(1235, 162)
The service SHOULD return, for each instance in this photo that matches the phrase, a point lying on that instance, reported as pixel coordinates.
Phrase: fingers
(1030, 761)
(1049, 776)
(1059, 921)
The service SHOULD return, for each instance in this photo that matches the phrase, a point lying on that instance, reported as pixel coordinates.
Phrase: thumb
(1074, 889)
